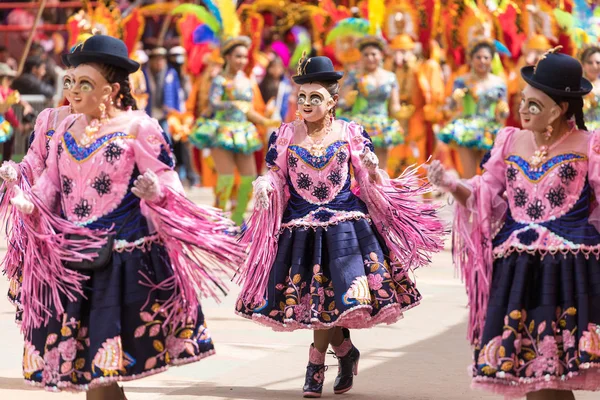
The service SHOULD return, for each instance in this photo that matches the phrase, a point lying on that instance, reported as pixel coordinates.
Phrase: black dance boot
(347, 356)
(315, 374)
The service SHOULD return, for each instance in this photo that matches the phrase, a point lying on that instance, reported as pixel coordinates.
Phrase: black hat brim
(318, 77)
(527, 73)
(84, 57)
(65, 60)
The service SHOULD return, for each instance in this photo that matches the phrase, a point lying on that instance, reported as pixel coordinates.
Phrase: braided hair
(118, 75)
(575, 109)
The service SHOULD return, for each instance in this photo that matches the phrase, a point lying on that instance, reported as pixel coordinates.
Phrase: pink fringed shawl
(410, 227)
(474, 228)
(199, 248)
(264, 225)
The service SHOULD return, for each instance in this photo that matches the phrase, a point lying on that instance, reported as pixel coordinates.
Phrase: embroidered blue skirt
(542, 328)
(334, 276)
(117, 332)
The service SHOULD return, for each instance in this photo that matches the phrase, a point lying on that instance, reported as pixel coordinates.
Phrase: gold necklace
(541, 152)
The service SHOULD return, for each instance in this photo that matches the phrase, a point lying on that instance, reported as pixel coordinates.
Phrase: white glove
(439, 178)
(147, 187)
(20, 202)
(262, 189)
(369, 160)
(8, 173)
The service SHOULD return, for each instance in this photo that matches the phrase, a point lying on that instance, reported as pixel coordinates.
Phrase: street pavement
(425, 356)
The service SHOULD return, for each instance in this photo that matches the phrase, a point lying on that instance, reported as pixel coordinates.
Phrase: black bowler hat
(316, 69)
(105, 50)
(557, 75)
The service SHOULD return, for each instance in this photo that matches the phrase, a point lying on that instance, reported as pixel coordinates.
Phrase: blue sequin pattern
(536, 174)
(81, 153)
(318, 162)
(50, 133)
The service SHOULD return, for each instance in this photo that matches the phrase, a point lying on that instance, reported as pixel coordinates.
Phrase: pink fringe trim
(42, 236)
(411, 228)
(261, 238)
(199, 249)
(105, 381)
(358, 317)
(587, 379)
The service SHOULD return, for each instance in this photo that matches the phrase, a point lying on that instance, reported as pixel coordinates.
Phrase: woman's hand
(147, 187)
(8, 173)
(369, 160)
(439, 178)
(262, 189)
(21, 203)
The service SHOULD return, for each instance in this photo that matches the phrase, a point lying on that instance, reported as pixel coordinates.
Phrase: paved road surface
(422, 357)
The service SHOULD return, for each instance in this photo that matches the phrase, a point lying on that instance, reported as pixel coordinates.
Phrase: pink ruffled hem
(103, 381)
(585, 379)
(358, 317)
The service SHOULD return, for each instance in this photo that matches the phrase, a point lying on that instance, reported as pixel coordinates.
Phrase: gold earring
(298, 115)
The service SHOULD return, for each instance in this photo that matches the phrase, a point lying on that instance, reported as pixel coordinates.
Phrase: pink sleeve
(153, 153)
(594, 175)
(34, 162)
(264, 225)
(476, 224)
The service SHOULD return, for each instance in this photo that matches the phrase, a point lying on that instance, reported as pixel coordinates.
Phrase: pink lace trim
(343, 348)
(315, 356)
(144, 244)
(105, 381)
(309, 222)
(587, 251)
(585, 379)
(358, 317)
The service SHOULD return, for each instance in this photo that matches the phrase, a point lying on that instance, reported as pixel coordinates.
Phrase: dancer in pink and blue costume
(322, 255)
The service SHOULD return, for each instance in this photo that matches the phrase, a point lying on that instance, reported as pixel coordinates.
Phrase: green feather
(356, 27)
(201, 13)
(564, 19)
(302, 46)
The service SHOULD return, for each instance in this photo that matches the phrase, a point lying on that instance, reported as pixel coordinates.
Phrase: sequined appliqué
(511, 174)
(321, 191)
(567, 173)
(304, 181)
(102, 184)
(67, 185)
(335, 177)
(113, 153)
(318, 162)
(341, 157)
(536, 174)
(60, 150)
(83, 209)
(535, 209)
(556, 196)
(520, 197)
(292, 161)
(82, 153)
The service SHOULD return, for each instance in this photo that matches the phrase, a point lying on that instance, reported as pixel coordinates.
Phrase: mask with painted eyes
(537, 110)
(314, 102)
(89, 89)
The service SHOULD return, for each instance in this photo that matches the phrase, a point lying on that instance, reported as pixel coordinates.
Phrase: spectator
(5, 58)
(155, 73)
(31, 81)
(8, 119)
(52, 69)
(276, 90)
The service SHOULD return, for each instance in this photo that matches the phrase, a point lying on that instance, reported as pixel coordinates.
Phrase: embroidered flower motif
(547, 360)
(83, 209)
(335, 177)
(341, 157)
(567, 173)
(527, 237)
(68, 349)
(67, 185)
(556, 196)
(511, 174)
(568, 339)
(175, 345)
(375, 281)
(271, 157)
(321, 191)
(319, 377)
(590, 341)
(102, 184)
(292, 161)
(521, 197)
(323, 215)
(535, 209)
(302, 309)
(304, 181)
(113, 153)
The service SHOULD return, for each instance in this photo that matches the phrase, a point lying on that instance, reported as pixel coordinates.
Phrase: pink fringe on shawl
(199, 249)
(261, 238)
(410, 227)
(41, 236)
